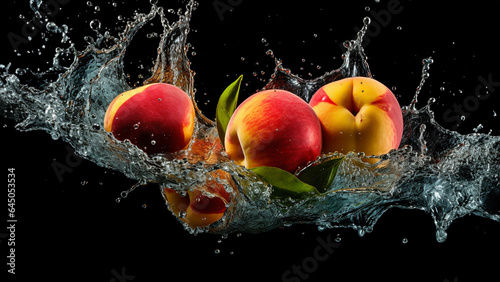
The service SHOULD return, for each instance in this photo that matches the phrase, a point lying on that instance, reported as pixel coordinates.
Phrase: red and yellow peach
(204, 204)
(157, 118)
(273, 128)
(358, 114)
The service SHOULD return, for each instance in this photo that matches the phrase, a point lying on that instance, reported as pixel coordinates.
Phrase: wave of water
(436, 170)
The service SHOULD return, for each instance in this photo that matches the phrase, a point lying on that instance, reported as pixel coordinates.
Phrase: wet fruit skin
(273, 128)
(202, 205)
(358, 114)
(157, 118)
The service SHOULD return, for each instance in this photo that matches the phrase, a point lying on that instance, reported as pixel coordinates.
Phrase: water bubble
(367, 8)
(399, 27)
(494, 113)
(124, 194)
(90, 4)
(95, 25)
(462, 118)
(182, 214)
(441, 88)
(242, 59)
(405, 240)
(144, 206)
(217, 251)
(153, 142)
(153, 2)
(137, 125)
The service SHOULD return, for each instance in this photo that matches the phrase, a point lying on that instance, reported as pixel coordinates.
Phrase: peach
(157, 118)
(273, 128)
(202, 205)
(358, 114)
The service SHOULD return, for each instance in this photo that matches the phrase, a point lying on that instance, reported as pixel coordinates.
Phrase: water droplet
(393, 88)
(144, 206)
(242, 58)
(136, 126)
(217, 251)
(182, 214)
(89, 4)
(399, 27)
(52, 27)
(462, 118)
(441, 88)
(153, 142)
(95, 25)
(315, 35)
(405, 240)
(367, 8)
(494, 113)
(478, 127)
(338, 239)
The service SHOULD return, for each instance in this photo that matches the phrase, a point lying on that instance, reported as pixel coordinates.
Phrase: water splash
(436, 170)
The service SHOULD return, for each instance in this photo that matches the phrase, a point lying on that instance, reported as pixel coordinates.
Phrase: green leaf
(284, 183)
(226, 107)
(322, 175)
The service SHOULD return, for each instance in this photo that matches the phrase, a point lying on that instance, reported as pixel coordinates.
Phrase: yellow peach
(358, 114)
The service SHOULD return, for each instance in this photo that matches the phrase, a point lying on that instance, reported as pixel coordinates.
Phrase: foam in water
(436, 170)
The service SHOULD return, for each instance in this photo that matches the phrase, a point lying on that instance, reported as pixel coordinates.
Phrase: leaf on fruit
(226, 107)
(322, 175)
(284, 183)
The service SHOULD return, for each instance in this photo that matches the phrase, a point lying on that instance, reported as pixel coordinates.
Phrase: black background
(74, 230)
